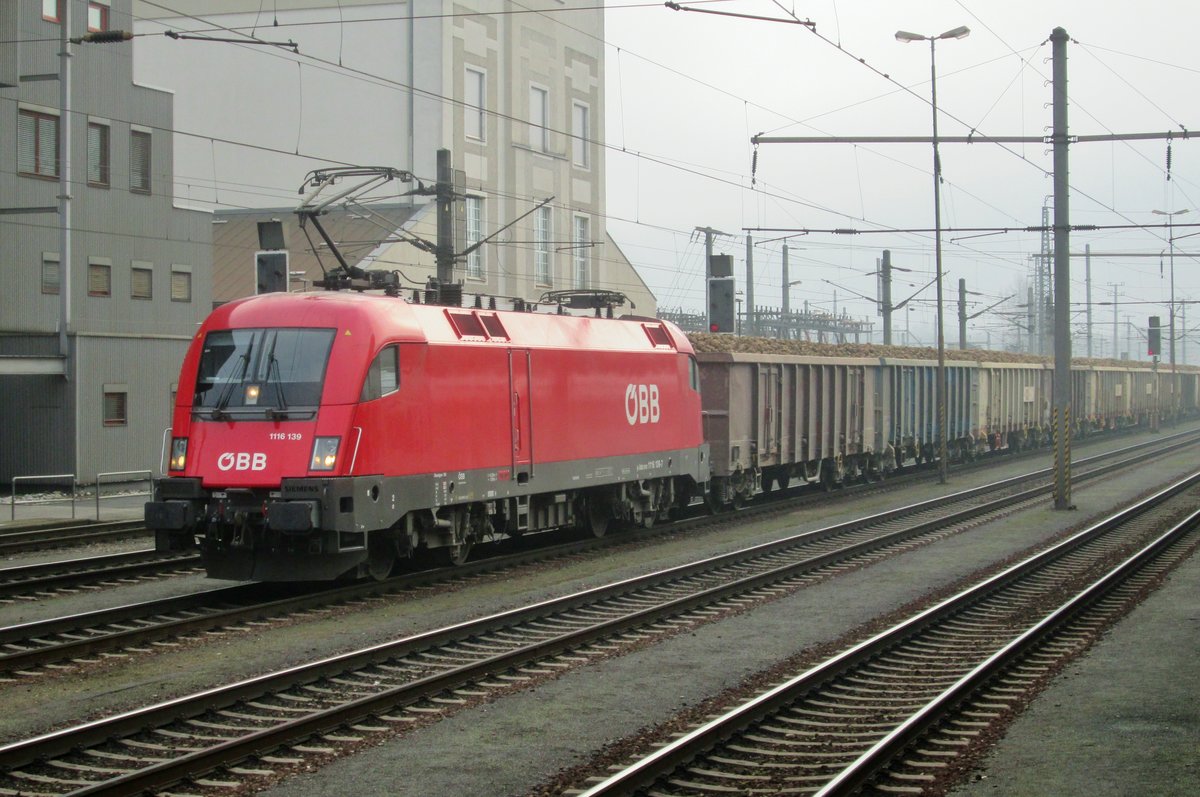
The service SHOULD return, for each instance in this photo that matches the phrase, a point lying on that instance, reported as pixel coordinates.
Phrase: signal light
(1154, 336)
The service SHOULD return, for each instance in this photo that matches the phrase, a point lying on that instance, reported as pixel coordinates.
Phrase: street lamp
(1171, 313)
(960, 32)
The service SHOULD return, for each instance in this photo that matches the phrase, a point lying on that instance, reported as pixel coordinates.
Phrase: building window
(97, 15)
(37, 143)
(474, 236)
(116, 405)
(541, 245)
(97, 154)
(581, 134)
(475, 97)
(141, 281)
(52, 10)
(580, 247)
(139, 161)
(50, 274)
(181, 286)
(99, 279)
(539, 104)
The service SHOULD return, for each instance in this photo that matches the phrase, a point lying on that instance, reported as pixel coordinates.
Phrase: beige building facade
(514, 92)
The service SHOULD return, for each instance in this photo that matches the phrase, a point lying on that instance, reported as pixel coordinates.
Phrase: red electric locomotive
(327, 434)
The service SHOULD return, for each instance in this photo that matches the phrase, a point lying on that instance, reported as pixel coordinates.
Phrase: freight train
(329, 435)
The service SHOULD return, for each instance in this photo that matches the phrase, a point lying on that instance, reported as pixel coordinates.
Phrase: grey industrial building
(91, 343)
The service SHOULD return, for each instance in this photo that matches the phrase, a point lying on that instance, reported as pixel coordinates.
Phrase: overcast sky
(687, 90)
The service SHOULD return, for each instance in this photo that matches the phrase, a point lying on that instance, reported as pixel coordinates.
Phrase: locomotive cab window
(694, 373)
(269, 373)
(383, 376)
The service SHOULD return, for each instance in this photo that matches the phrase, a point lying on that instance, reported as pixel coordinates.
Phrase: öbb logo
(242, 460)
(641, 404)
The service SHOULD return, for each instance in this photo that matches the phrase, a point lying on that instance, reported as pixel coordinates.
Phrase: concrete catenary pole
(1062, 279)
(885, 295)
(1116, 325)
(751, 320)
(64, 184)
(787, 284)
(962, 313)
(1087, 263)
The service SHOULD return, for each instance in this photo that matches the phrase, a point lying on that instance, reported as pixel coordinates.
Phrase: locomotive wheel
(381, 556)
(457, 554)
(598, 518)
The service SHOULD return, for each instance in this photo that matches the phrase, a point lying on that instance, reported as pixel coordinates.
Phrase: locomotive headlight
(251, 394)
(324, 455)
(178, 453)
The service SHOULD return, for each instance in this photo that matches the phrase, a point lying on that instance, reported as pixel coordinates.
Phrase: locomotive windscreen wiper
(227, 392)
(273, 368)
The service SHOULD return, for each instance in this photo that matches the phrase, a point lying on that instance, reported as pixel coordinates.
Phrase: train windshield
(271, 373)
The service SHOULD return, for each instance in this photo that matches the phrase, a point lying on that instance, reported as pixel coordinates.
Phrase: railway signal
(721, 315)
(271, 272)
(1154, 336)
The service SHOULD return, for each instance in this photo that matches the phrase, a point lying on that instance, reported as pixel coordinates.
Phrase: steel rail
(57, 537)
(859, 773)
(247, 608)
(157, 775)
(47, 576)
(645, 772)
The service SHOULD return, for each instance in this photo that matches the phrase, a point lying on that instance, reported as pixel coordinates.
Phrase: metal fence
(126, 477)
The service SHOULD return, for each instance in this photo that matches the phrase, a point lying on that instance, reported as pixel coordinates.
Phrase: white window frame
(141, 265)
(181, 271)
(543, 261)
(475, 104)
(581, 134)
(51, 259)
(115, 391)
(581, 247)
(476, 221)
(97, 266)
(539, 118)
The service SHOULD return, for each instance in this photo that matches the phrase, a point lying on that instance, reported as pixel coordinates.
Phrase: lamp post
(960, 32)
(1171, 313)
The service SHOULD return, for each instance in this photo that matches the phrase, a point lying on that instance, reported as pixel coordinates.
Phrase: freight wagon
(777, 419)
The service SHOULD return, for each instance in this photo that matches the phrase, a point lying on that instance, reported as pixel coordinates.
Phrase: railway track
(78, 639)
(275, 722)
(891, 714)
(43, 579)
(40, 538)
